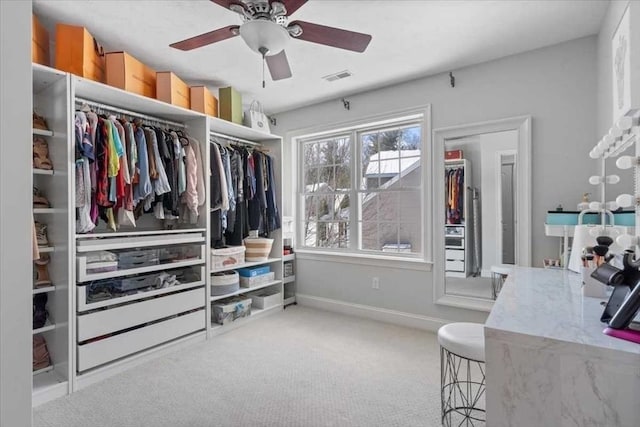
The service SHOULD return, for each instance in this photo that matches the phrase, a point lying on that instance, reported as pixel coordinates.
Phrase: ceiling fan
(266, 30)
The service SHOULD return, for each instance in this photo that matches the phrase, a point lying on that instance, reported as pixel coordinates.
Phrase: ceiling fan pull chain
(263, 61)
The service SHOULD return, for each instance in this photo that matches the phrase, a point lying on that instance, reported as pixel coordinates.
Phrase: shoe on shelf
(39, 122)
(39, 201)
(40, 312)
(41, 158)
(41, 357)
(41, 234)
(42, 271)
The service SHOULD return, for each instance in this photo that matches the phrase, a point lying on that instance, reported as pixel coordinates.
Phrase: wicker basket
(224, 283)
(257, 249)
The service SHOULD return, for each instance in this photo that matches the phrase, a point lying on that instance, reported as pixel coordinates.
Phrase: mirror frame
(521, 124)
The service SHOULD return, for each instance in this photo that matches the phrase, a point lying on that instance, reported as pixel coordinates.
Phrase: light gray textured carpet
(300, 367)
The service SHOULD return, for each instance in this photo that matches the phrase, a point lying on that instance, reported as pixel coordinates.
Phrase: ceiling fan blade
(228, 3)
(292, 5)
(278, 66)
(330, 36)
(207, 38)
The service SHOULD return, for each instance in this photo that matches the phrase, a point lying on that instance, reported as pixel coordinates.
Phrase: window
(362, 188)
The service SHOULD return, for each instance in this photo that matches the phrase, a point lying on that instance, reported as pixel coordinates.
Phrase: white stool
(499, 274)
(462, 374)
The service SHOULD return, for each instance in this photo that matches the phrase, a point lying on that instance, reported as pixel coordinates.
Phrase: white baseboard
(374, 313)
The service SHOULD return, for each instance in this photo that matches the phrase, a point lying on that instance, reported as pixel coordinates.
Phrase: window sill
(363, 259)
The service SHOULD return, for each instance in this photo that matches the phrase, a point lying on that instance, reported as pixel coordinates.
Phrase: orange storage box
(39, 42)
(172, 90)
(203, 101)
(126, 72)
(77, 52)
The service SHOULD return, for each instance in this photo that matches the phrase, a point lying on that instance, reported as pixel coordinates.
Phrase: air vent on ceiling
(338, 76)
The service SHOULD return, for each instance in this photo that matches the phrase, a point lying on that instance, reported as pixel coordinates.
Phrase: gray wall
(605, 93)
(15, 217)
(555, 85)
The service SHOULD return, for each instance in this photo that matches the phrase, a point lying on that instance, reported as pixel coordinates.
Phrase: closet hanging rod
(233, 138)
(144, 117)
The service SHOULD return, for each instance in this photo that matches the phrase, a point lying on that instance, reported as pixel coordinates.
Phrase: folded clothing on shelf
(101, 290)
(101, 261)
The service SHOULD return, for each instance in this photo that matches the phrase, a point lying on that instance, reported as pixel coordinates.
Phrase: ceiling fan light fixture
(261, 34)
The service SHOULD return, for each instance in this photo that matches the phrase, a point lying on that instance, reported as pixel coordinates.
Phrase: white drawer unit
(104, 322)
(454, 266)
(93, 354)
(454, 254)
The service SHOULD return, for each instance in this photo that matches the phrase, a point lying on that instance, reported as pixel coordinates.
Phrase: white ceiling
(411, 38)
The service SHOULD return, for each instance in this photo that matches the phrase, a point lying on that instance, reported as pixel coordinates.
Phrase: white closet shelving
(458, 234)
(91, 338)
(289, 279)
(51, 100)
(273, 145)
(116, 328)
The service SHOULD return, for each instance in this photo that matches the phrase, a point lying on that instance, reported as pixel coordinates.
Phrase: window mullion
(354, 205)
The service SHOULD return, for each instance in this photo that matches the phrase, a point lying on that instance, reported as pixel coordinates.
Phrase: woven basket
(224, 283)
(258, 249)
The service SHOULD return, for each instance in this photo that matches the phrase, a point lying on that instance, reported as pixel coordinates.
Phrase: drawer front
(100, 352)
(452, 254)
(116, 319)
(454, 265)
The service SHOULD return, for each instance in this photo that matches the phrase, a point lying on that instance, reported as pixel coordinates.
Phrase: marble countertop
(545, 305)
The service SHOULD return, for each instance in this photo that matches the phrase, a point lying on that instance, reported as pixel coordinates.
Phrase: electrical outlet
(375, 283)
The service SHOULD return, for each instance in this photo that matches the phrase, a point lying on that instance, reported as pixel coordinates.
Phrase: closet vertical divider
(51, 100)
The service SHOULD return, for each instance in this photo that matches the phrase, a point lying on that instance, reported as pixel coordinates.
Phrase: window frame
(420, 116)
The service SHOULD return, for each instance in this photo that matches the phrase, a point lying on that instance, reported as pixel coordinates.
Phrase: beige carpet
(300, 367)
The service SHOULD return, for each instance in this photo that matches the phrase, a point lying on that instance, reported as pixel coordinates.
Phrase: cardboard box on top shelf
(230, 104)
(203, 101)
(126, 72)
(39, 42)
(78, 52)
(172, 90)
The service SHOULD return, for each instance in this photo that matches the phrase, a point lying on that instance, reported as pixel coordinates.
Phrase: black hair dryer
(624, 303)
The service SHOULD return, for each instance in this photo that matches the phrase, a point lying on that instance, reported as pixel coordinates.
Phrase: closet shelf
(44, 290)
(42, 132)
(289, 300)
(84, 306)
(139, 232)
(247, 264)
(42, 172)
(43, 370)
(48, 211)
(245, 290)
(46, 249)
(140, 241)
(289, 279)
(255, 313)
(290, 257)
(48, 326)
(84, 277)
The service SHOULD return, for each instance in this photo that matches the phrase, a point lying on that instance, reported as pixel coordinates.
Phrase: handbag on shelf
(255, 118)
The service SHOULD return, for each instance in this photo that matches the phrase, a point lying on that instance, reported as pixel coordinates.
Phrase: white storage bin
(249, 282)
(229, 311)
(227, 257)
(224, 283)
(266, 298)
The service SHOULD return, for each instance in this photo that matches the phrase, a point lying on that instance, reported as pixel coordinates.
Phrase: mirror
(482, 207)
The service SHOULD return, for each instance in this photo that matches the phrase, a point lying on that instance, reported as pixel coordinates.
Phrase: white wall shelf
(42, 171)
(43, 290)
(48, 326)
(46, 249)
(245, 290)
(42, 132)
(43, 370)
(289, 279)
(49, 211)
(247, 264)
(140, 232)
